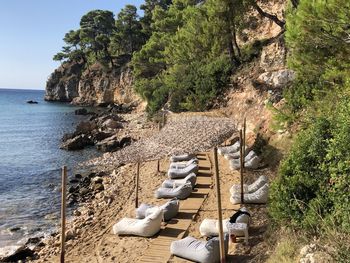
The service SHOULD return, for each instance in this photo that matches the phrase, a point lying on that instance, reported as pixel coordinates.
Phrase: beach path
(177, 228)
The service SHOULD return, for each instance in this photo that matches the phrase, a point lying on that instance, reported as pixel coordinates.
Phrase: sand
(91, 237)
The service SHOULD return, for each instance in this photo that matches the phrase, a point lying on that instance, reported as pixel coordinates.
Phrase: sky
(31, 33)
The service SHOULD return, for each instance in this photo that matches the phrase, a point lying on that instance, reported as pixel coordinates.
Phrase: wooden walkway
(159, 250)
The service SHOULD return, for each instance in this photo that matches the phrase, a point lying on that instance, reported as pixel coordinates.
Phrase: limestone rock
(112, 124)
(77, 143)
(85, 127)
(82, 111)
(277, 79)
(72, 82)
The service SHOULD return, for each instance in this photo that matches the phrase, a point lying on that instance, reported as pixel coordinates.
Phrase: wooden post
(63, 212)
(137, 186)
(217, 183)
(158, 164)
(241, 164)
(244, 136)
(163, 119)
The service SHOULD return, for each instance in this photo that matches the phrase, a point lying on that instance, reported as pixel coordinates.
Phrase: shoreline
(36, 241)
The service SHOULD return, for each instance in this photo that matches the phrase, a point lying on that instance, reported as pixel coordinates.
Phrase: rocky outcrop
(278, 78)
(95, 85)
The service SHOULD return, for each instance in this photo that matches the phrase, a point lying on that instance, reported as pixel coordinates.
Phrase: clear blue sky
(31, 32)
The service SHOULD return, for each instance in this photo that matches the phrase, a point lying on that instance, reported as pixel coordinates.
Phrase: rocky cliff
(93, 85)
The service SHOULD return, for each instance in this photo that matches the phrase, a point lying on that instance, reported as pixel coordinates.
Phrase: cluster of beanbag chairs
(209, 251)
(255, 193)
(182, 179)
(232, 154)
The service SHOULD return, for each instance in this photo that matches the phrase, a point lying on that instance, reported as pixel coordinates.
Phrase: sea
(30, 164)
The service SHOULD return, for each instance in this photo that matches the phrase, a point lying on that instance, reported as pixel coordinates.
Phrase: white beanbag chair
(141, 210)
(258, 197)
(182, 172)
(210, 227)
(229, 149)
(146, 227)
(182, 157)
(170, 209)
(251, 161)
(235, 155)
(180, 192)
(178, 165)
(170, 183)
(197, 250)
(236, 188)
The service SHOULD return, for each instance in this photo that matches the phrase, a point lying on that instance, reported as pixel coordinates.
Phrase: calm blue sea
(30, 161)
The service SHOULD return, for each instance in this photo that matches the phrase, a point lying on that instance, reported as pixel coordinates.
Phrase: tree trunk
(235, 42)
(274, 18)
(295, 3)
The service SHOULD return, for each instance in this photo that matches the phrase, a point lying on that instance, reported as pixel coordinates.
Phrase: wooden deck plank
(159, 250)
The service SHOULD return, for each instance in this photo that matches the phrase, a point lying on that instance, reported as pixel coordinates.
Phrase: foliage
(128, 36)
(314, 179)
(184, 58)
(318, 39)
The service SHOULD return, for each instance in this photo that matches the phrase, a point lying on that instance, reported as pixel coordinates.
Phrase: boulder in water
(21, 253)
(32, 102)
(77, 143)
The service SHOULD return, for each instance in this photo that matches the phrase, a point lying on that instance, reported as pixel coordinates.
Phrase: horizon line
(17, 88)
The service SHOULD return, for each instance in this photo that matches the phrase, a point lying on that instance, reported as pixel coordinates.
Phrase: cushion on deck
(146, 227)
(178, 165)
(229, 149)
(171, 183)
(258, 197)
(235, 155)
(197, 250)
(182, 172)
(141, 210)
(180, 192)
(236, 188)
(182, 157)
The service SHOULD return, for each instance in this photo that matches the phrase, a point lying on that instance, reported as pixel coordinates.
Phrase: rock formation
(94, 85)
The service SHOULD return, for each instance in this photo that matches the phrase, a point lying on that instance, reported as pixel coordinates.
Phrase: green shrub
(312, 188)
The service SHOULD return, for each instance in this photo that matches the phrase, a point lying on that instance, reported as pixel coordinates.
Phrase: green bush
(312, 188)
(316, 38)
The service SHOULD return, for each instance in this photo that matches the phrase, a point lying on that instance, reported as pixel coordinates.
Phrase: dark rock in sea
(22, 253)
(83, 191)
(108, 146)
(73, 189)
(98, 187)
(33, 240)
(74, 181)
(98, 180)
(92, 175)
(112, 124)
(78, 176)
(77, 143)
(85, 127)
(15, 229)
(68, 136)
(102, 104)
(85, 182)
(81, 112)
(101, 173)
(125, 141)
(98, 136)
(32, 102)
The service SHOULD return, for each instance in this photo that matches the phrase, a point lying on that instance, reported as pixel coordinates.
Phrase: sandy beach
(90, 232)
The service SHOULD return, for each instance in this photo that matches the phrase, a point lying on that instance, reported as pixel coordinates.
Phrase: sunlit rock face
(72, 82)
